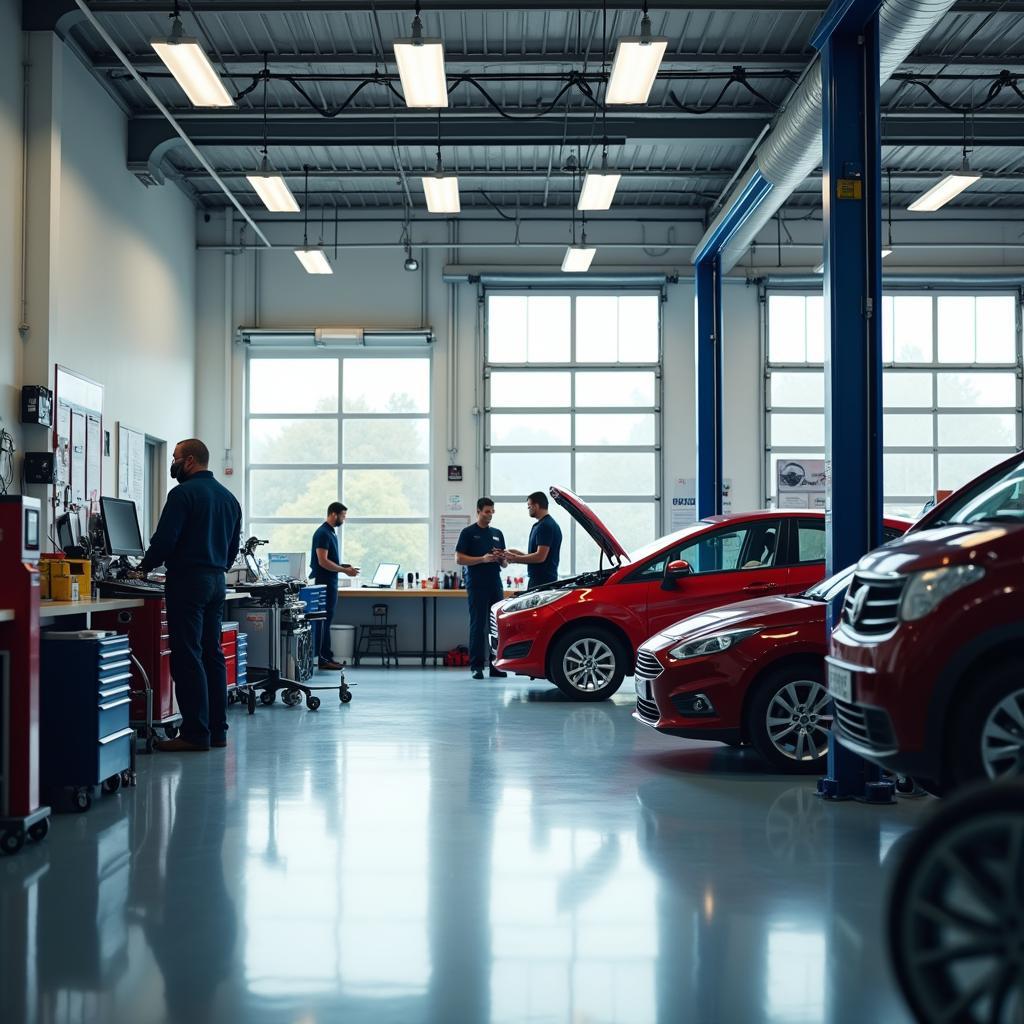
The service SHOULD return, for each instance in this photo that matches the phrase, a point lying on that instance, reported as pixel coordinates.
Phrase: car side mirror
(675, 571)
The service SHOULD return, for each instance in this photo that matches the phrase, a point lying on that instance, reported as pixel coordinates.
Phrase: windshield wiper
(1000, 517)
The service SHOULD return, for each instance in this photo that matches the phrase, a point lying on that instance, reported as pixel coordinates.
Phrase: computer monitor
(121, 527)
(385, 574)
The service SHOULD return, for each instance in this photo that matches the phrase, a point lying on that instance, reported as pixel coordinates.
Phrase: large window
(573, 400)
(951, 388)
(354, 428)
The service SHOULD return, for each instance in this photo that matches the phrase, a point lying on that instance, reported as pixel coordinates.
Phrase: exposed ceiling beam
(151, 139)
(43, 15)
(455, 62)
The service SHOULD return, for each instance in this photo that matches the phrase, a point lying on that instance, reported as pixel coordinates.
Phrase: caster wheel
(312, 703)
(345, 696)
(170, 732)
(12, 842)
(291, 697)
(39, 831)
(82, 800)
(127, 777)
(112, 785)
(268, 697)
(251, 702)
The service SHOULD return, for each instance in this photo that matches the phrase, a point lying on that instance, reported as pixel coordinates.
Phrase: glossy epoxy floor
(447, 851)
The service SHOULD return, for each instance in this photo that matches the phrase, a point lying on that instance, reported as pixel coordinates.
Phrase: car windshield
(659, 545)
(829, 589)
(999, 500)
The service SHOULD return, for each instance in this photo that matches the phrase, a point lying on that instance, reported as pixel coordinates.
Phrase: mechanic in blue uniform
(479, 551)
(197, 540)
(545, 544)
(325, 566)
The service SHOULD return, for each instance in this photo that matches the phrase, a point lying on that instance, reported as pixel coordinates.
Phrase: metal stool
(380, 636)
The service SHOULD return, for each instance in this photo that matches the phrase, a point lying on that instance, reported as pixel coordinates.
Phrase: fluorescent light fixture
(314, 261)
(421, 69)
(273, 190)
(442, 191)
(192, 70)
(949, 188)
(578, 259)
(598, 190)
(820, 268)
(637, 59)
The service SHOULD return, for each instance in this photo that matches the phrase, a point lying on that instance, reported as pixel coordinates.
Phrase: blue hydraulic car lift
(847, 37)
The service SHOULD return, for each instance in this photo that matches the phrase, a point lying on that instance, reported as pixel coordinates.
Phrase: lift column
(847, 37)
(708, 377)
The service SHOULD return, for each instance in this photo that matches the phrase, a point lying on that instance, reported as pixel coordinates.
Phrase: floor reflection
(439, 851)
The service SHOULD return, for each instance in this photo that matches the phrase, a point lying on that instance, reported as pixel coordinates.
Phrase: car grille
(872, 604)
(516, 650)
(647, 709)
(865, 726)
(648, 666)
(494, 633)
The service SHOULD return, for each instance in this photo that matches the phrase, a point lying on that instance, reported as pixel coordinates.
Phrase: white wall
(126, 267)
(10, 217)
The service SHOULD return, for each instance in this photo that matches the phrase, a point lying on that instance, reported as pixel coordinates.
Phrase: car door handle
(758, 588)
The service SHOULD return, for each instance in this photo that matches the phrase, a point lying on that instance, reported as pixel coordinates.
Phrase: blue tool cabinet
(84, 708)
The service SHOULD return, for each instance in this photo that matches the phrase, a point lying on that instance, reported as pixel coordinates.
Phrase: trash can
(343, 642)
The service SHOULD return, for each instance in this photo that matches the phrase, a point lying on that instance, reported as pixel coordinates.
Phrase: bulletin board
(131, 476)
(78, 444)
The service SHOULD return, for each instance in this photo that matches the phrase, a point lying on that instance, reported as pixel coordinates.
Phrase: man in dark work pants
(197, 540)
(479, 552)
(325, 566)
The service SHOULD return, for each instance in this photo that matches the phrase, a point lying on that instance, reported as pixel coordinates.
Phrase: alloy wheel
(1002, 737)
(960, 923)
(589, 664)
(799, 719)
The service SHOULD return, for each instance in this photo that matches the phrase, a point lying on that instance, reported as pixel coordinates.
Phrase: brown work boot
(178, 745)
(329, 666)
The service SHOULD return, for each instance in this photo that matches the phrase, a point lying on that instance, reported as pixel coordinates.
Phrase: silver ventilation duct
(792, 149)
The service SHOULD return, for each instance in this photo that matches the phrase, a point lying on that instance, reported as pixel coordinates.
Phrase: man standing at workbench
(197, 540)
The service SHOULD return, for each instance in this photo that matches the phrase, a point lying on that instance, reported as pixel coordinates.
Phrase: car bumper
(519, 643)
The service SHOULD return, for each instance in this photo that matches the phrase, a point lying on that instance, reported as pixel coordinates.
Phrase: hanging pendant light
(441, 190)
(950, 187)
(577, 258)
(269, 186)
(187, 62)
(635, 67)
(314, 260)
(421, 68)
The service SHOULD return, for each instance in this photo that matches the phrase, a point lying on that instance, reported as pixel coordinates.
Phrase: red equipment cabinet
(229, 646)
(151, 644)
(20, 812)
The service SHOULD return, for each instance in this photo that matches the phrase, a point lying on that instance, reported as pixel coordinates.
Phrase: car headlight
(925, 591)
(529, 602)
(710, 644)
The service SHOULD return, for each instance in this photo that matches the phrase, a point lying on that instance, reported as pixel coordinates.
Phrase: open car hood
(584, 515)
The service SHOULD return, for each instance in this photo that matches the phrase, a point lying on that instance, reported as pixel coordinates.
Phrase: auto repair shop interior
(712, 711)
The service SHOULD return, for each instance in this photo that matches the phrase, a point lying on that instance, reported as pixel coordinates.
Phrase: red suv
(926, 666)
(751, 672)
(583, 633)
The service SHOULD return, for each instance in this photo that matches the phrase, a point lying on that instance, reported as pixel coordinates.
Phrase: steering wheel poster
(800, 483)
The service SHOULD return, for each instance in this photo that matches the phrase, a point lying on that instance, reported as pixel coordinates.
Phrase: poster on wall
(451, 527)
(684, 502)
(131, 477)
(93, 462)
(800, 483)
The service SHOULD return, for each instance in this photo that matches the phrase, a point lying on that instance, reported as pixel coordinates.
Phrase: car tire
(789, 718)
(588, 663)
(987, 724)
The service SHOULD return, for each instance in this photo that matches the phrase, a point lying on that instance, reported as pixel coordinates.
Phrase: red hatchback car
(583, 633)
(927, 663)
(751, 672)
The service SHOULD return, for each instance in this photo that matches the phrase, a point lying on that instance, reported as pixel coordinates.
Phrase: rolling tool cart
(84, 697)
(153, 706)
(279, 641)
(21, 814)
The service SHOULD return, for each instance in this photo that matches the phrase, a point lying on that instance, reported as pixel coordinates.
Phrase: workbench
(427, 600)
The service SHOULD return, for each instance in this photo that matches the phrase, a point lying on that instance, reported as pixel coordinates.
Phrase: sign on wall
(684, 502)
(800, 483)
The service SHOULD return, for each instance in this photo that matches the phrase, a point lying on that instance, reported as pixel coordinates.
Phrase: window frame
(341, 355)
(934, 369)
(570, 547)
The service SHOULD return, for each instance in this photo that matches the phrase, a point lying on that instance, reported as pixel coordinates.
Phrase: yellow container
(81, 569)
(64, 588)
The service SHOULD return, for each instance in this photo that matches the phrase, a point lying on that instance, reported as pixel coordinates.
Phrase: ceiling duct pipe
(792, 149)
